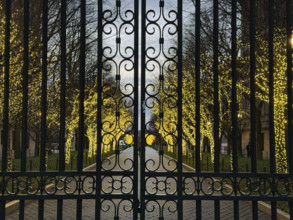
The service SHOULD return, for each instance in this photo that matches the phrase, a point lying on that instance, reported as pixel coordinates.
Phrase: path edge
(262, 206)
(14, 205)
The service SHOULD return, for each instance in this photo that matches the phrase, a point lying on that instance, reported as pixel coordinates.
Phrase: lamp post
(240, 116)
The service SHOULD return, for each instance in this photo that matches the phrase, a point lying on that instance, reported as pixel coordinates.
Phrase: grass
(244, 163)
(33, 163)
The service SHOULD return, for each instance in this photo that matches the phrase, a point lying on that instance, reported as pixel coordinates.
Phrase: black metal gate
(122, 79)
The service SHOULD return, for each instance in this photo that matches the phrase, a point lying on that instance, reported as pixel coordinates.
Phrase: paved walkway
(189, 207)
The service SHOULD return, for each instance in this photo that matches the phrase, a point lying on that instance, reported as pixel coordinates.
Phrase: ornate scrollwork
(238, 186)
(160, 208)
(161, 63)
(118, 88)
(115, 207)
(161, 185)
(117, 184)
(47, 185)
(76, 183)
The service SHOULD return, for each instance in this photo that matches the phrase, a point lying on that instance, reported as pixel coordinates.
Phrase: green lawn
(33, 163)
(244, 163)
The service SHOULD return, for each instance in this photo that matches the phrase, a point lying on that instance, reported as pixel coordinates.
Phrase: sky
(152, 40)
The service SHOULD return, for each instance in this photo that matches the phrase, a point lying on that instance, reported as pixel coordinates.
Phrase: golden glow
(165, 124)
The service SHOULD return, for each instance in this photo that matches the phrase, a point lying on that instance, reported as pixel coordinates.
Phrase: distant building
(244, 126)
(33, 147)
(14, 143)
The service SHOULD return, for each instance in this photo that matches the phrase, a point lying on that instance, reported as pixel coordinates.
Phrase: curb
(14, 205)
(262, 206)
(266, 208)
(11, 206)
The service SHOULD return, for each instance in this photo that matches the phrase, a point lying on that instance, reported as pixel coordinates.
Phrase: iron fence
(135, 40)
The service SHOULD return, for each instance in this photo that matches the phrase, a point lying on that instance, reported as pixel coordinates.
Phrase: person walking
(248, 149)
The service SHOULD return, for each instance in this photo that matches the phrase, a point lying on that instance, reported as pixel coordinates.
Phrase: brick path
(189, 207)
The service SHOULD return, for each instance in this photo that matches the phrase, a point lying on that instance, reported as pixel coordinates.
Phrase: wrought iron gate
(140, 90)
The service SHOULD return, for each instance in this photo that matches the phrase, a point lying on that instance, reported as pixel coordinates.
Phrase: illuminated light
(225, 83)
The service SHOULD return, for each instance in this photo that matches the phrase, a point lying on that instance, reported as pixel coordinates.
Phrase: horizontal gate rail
(224, 198)
(222, 175)
(157, 173)
(61, 173)
(71, 197)
(152, 197)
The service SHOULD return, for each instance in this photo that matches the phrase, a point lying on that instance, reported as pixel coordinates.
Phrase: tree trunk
(16, 141)
(206, 147)
(76, 144)
(37, 145)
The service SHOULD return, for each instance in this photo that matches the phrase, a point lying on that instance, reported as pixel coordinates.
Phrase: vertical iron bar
(216, 96)
(234, 102)
(6, 85)
(197, 101)
(289, 90)
(24, 132)
(289, 83)
(135, 153)
(142, 135)
(81, 83)
(216, 84)
(81, 98)
(234, 89)
(44, 101)
(197, 85)
(179, 79)
(99, 111)
(252, 86)
(6, 97)
(63, 87)
(271, 87)
(271, 100)
(25, 86)
(62, 101)
(252, 99)
(2, 209)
